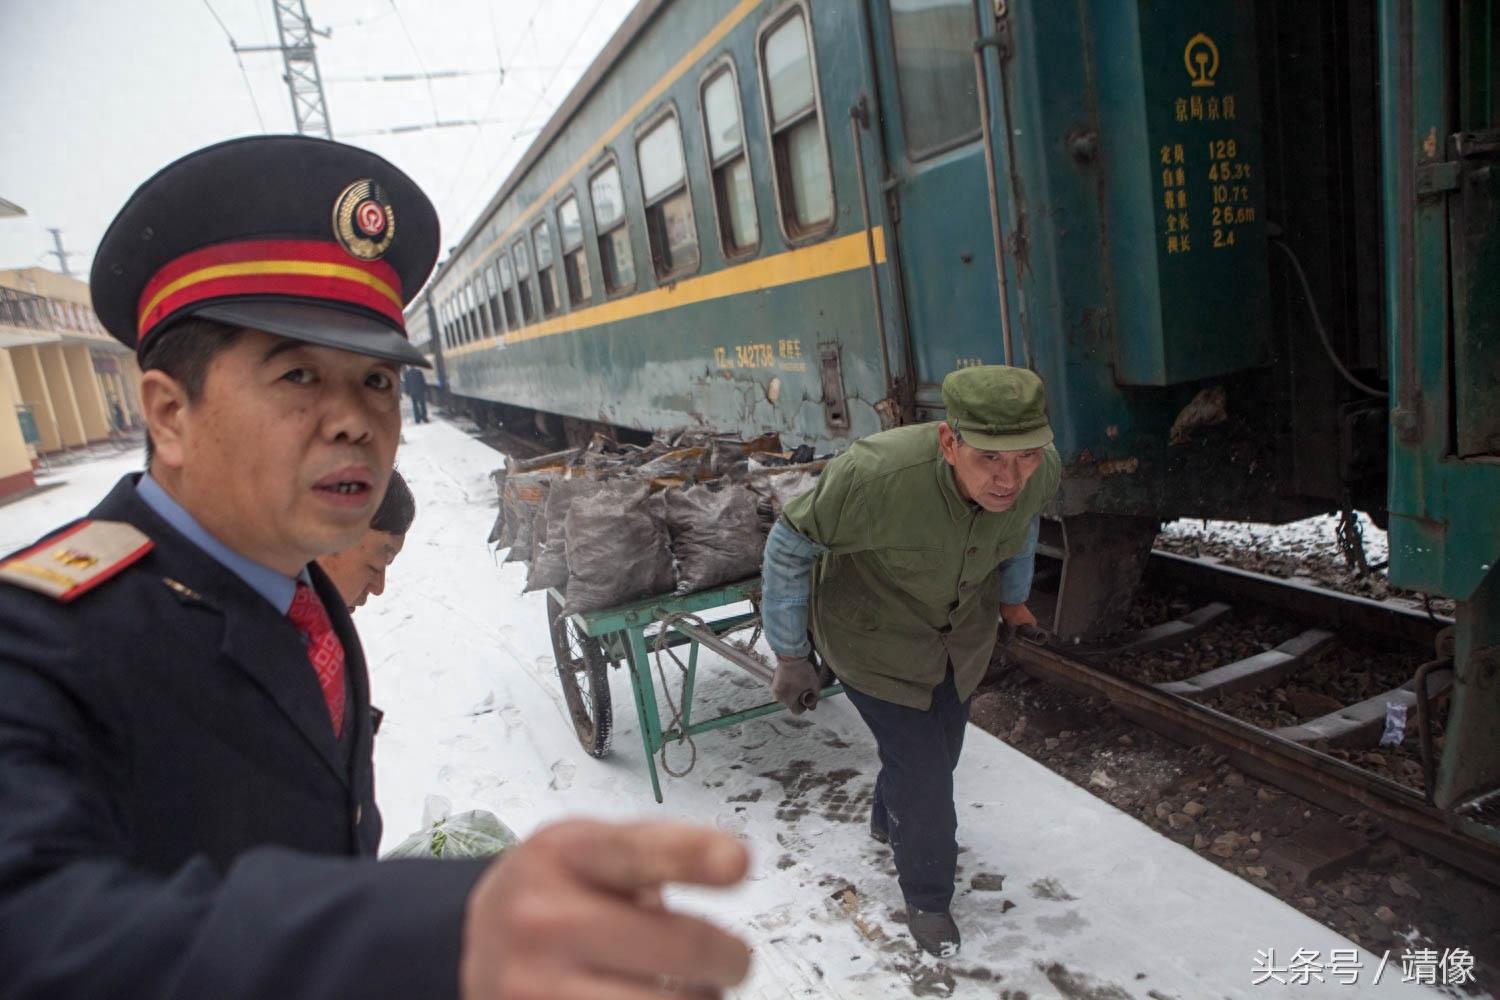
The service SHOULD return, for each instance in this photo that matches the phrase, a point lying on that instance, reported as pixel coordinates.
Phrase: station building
(64, 382)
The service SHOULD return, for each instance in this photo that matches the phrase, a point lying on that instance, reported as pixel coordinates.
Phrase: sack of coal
(549, 565)
(525, 493)
(497, 530)
(732, 458)
(682, 465)
(717, 535)
(518, 499)
(557, 460)
(617, 547)
(778, 486)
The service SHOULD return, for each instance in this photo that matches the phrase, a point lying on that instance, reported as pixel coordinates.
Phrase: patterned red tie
(324, 650)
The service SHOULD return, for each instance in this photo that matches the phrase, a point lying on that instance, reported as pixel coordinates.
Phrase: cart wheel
(584, 672)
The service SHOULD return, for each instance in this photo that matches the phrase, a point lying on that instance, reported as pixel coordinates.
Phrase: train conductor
(186, 787)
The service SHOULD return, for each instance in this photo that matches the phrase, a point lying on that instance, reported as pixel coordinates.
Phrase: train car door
(929, 110)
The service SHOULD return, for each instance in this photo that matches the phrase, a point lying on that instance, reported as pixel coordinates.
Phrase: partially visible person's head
(359, 571)
(996, 432)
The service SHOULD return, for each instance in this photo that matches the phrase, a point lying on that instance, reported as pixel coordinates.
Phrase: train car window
(491, 321)
(575, 262)
(492, 286)
(507, 290)
(482, 306)
(476, 309)
(523, 280)
(476, 326)
(546, 274)
(461, 306)
(443, 325)
(669, 204)
(804, 183)
(608, 197)
(734, 194)
(935, 73)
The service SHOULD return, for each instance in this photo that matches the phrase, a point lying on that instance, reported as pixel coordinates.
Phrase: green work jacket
(910, 578)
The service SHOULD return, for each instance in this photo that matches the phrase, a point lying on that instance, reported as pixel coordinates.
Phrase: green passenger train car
(1248, 244)
(686, 244)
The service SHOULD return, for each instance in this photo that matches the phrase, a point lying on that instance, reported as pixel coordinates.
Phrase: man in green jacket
(913, 547)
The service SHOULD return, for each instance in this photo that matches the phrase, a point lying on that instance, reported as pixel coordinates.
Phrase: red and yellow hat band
(305, 269)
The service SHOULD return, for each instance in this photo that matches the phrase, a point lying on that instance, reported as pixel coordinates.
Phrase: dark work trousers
(419, 407)
(914, 790)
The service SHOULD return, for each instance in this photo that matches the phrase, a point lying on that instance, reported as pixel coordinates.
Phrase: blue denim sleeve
(786, 583)
(1015, 572)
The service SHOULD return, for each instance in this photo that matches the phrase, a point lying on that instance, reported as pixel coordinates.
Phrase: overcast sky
(96, 96)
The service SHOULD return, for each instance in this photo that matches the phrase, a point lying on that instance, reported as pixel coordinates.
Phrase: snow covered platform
(1060, 894)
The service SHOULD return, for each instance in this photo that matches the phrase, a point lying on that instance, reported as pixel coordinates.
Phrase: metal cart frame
(620, 635)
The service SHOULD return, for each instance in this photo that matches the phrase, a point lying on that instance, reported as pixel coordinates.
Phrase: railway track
(1302, 758)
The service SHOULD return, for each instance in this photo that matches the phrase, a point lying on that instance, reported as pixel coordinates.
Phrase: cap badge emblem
(363, 221)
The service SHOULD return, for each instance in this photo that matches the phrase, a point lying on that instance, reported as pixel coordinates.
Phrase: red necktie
(324, 650)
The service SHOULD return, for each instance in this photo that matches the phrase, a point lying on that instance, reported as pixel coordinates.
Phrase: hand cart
(587, 643)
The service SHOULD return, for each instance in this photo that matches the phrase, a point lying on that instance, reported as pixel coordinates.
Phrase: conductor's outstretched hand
(575, 913)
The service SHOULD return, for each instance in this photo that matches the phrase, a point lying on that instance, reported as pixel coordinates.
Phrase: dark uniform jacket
(176, 816)
(415, 383)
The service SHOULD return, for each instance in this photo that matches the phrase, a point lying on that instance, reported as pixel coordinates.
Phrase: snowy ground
(1090, 903)
(1306, 549)
(1311, 536)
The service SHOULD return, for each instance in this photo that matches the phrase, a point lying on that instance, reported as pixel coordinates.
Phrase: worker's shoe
(934, 931)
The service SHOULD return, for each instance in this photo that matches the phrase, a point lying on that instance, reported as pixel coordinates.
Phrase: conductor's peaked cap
(300, 237)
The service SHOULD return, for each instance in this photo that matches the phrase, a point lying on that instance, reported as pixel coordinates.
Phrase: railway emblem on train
(363, 221)
(1201, 57)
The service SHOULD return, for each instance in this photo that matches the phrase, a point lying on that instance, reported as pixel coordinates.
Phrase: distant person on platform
(359, 571)
(187, 789)
(416, 387)
(915, 545)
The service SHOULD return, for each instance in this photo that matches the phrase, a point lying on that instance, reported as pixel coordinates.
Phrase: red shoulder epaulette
(77, 559)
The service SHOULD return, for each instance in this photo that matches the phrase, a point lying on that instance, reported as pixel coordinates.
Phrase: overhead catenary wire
(541, 97)
(490, 102)
(527, 30)
(260, 121)
(431, 93)
(427, 126)
(359, 22)
(441, 74)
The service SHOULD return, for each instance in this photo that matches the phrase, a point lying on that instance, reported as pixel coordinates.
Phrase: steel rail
(1307, 773)
(1304, 600)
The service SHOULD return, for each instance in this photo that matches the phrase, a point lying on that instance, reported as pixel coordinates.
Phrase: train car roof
(635, 22)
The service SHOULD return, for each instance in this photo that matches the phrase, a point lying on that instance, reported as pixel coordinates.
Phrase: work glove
(795, 684)
(1020, 623)
(1032, 633)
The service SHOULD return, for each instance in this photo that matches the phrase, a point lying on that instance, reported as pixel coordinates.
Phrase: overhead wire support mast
(300, 57)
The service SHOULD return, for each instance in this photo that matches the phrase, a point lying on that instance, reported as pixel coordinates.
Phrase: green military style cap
(997, 408)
